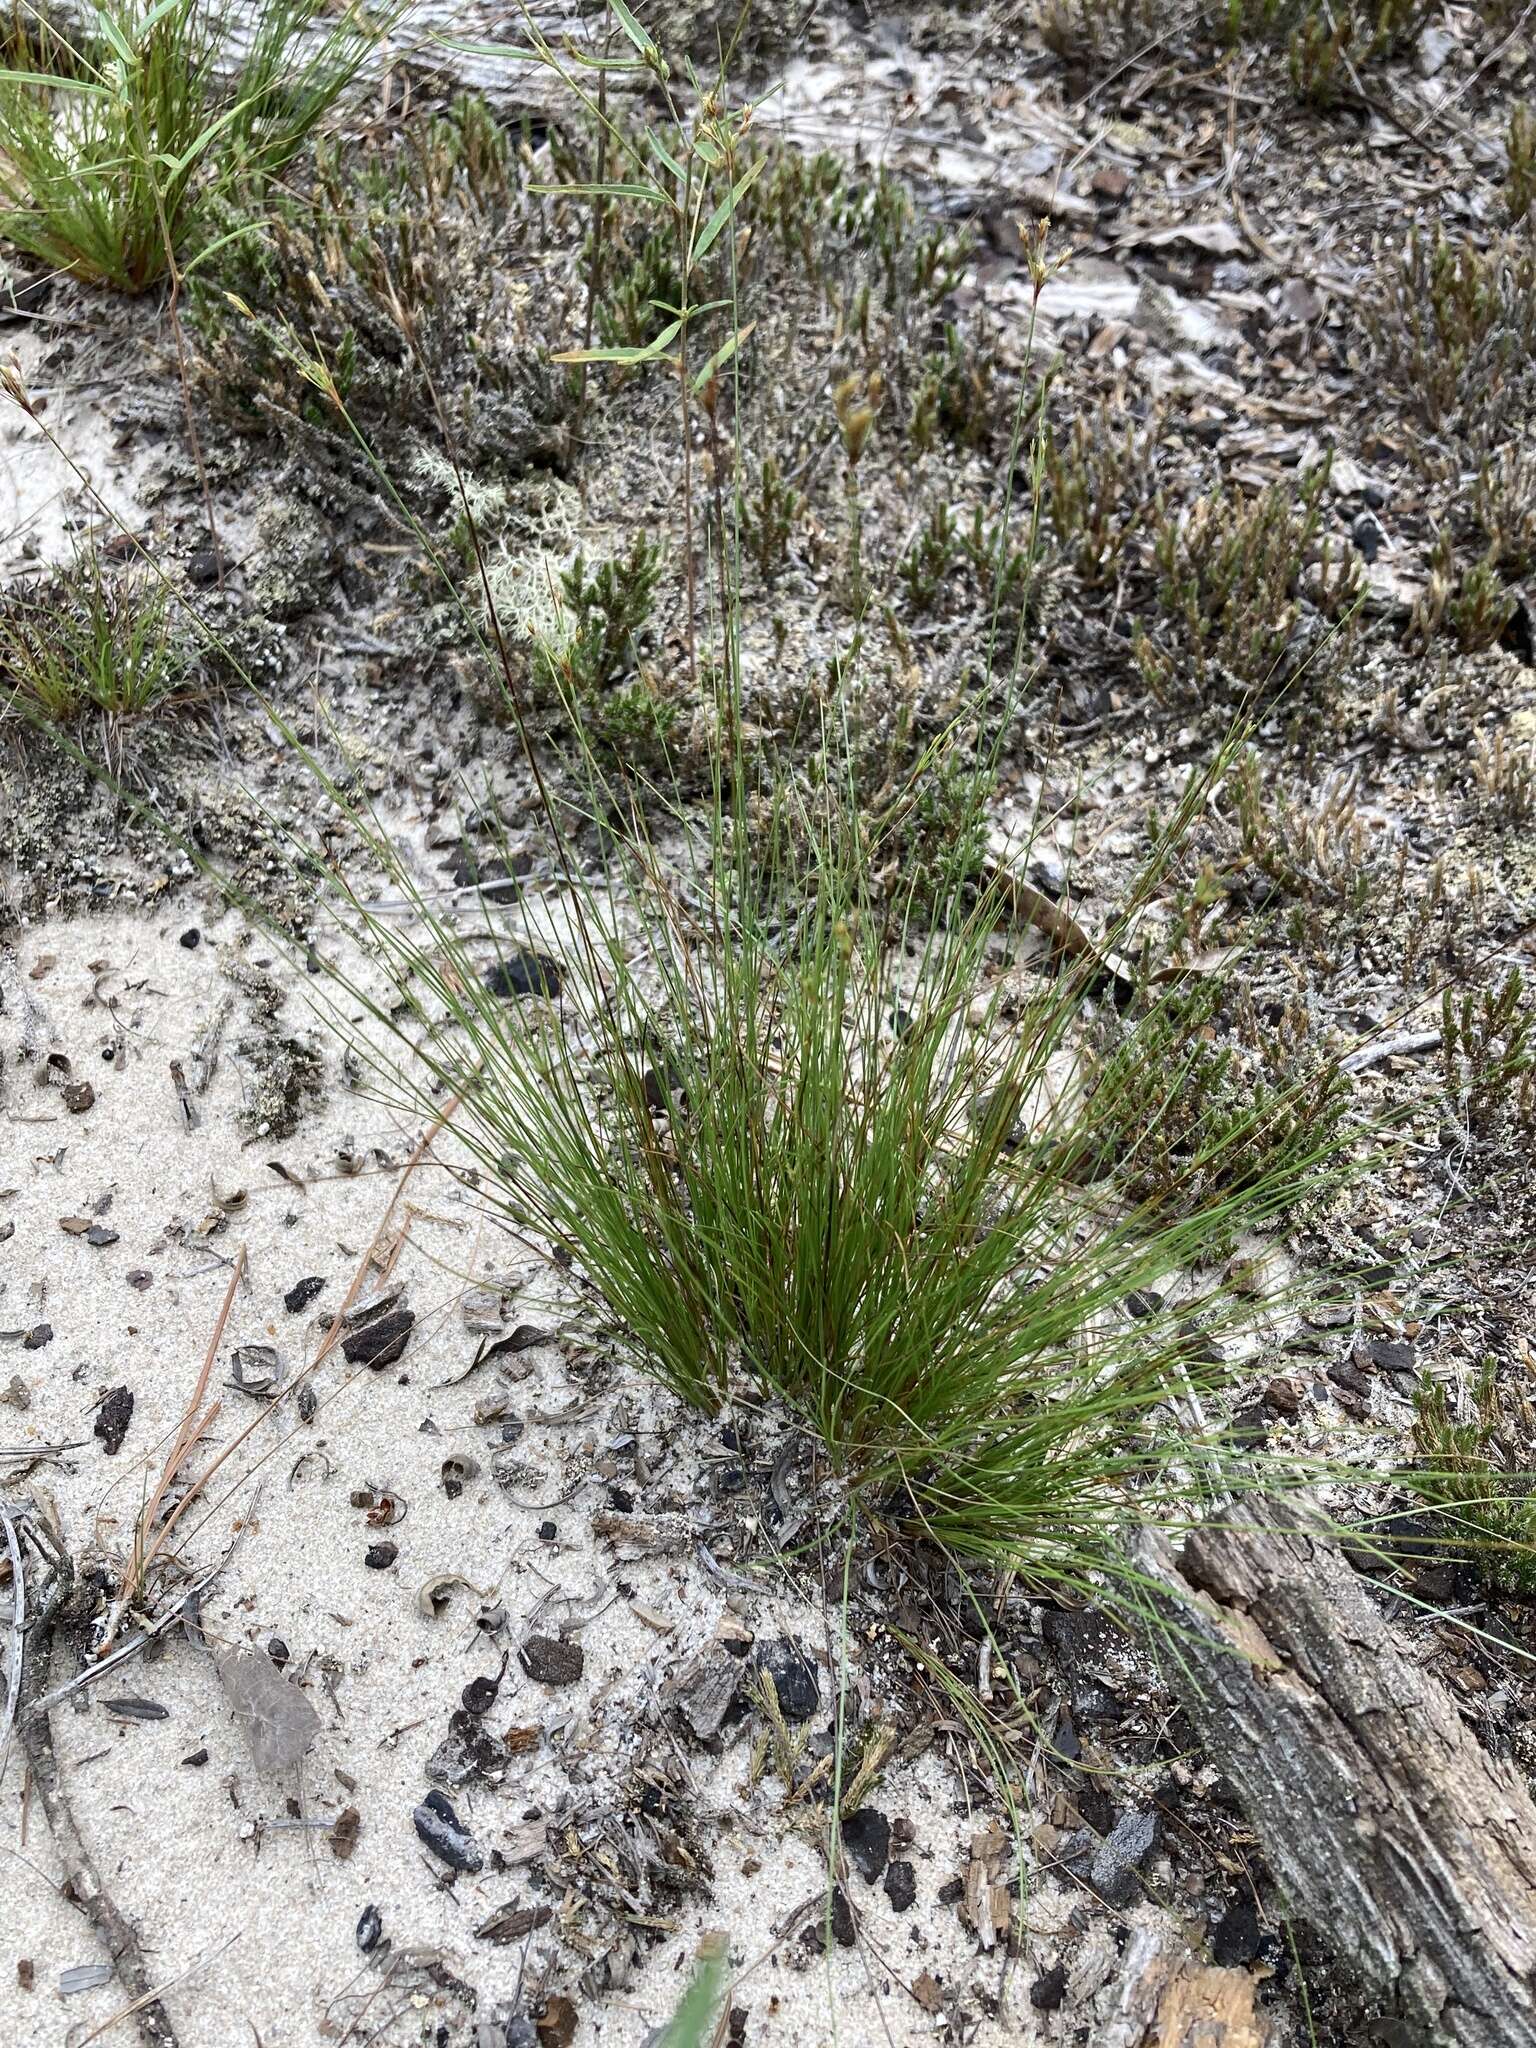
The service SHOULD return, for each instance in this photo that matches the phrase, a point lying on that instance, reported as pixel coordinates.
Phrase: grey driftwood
(1391, 1832)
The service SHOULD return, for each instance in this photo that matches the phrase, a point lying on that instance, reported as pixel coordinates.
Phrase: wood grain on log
(1407, 1849)
(1165, 1997)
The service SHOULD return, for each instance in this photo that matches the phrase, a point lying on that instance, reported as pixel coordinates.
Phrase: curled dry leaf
(276, 1719)
(434, 1595)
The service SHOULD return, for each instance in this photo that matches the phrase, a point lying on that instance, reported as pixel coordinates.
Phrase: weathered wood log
(1164, 1996)
(1407, 1849)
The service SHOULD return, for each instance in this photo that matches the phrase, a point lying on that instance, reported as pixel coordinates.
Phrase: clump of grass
(795, 1141)
(86, 643)
(119, 141)
(390, 267)
(1477, 1474)
(1230, 590)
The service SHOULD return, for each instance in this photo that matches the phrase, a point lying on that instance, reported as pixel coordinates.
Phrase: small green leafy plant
(1230, 588)
(1478, 1474)
(1488, 1051)
(1453, 330)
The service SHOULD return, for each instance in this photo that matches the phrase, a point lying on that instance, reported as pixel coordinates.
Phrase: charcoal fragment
(370, 1929)
(901, 1885)
(380, 1556)
(440, 1828)
(793, 1675)
(479, 1696)
(525, 974)
(302, 1293)
(379, 1343)
(552, 1660)
(113, 1418)
(867, 1838)
(1049, 1990)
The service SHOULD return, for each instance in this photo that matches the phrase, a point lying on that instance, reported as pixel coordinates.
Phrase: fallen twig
(83, 1884)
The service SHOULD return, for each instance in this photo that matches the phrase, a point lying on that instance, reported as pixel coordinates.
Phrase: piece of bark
(1406, 1847)
(1163, 1996)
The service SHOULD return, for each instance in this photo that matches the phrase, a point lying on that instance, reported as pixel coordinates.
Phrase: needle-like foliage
(87, 641)
(799, 1146)
(115, 139)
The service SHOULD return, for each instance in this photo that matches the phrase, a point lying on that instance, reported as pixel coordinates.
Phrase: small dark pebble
(277, 1650)
(370, 1929)
(203, 567)
(379, 1343)
(512, 1429)
(793, 1675)
(439, 1827)
(79, 1096)
(901, 1885)
(39, 1335)
(548, 1532)
(479, 1696)
(113, 1418)
(1237, 1936)
(380, 1556)
(1369, 536)
(621, 1500)
(302, 1293)
(1350, 1380)
(196, 1760)
(139, 1280)
(1391, 1354)
(552, 1660)
(867, 1838)
(1048, 1991)
(308, 1401)
(192, 938)
(1283, 1397)
(100, 1236)
(844, 1926)
(525, 974)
